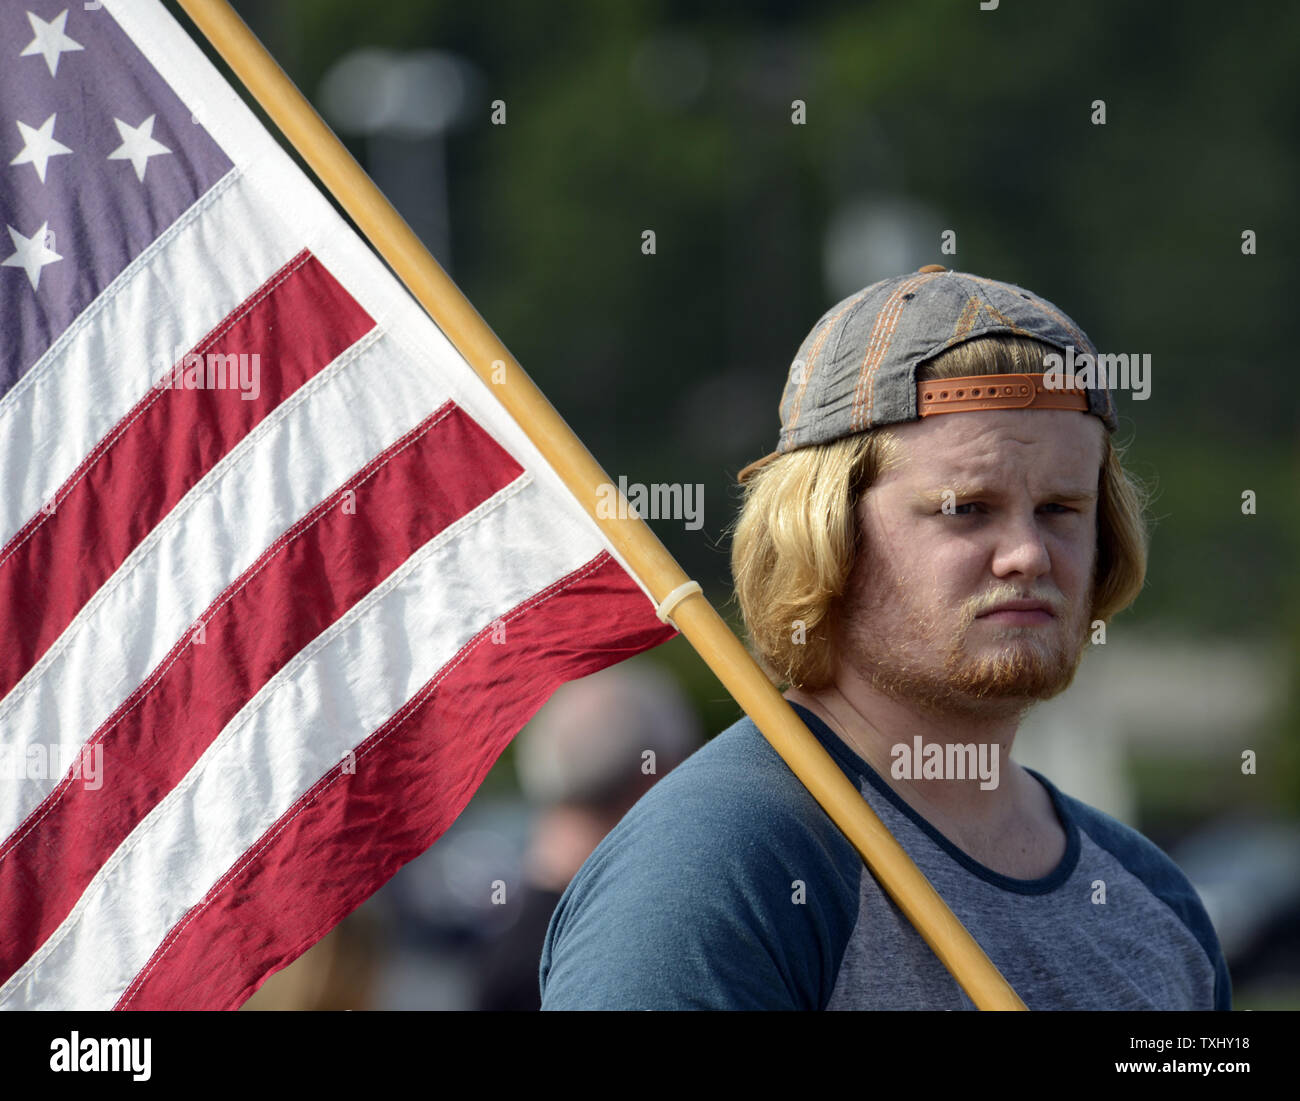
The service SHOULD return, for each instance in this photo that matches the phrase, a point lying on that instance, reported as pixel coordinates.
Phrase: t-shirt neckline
(1050, 882)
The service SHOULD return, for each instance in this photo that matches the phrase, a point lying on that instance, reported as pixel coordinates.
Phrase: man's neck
(873, 725)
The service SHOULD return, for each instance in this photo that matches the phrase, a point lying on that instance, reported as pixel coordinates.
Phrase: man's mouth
(1019, 613)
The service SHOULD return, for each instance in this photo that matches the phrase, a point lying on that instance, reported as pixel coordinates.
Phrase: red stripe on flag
(307, 579)
(297, 324)
(351, 832)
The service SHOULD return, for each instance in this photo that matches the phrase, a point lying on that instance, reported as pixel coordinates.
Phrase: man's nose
(1020, 547)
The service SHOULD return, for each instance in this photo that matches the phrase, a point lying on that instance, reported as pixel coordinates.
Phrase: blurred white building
(1153, 694)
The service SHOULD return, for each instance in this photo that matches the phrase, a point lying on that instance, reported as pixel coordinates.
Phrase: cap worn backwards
(857, 368)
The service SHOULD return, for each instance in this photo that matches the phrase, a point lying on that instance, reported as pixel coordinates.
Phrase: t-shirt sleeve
(710, 894)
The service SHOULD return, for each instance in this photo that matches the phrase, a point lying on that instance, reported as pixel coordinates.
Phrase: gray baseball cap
(857, 368)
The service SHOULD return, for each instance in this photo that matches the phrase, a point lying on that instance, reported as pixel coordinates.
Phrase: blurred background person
(597, 746)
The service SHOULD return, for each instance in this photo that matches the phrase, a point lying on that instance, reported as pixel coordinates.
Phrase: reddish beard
(1016, 666)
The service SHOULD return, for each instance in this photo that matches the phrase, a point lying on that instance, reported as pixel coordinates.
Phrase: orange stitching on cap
(969, 315)
(796, 403)
(870, 361)
(887, 338)
(796, 406)
(998, 315)
(871, 355)
(878, 326)
(1083, 343)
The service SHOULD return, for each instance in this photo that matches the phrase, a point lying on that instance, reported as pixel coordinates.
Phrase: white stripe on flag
(344, 683)
(254, 151)
(327, 700)
(359, 405)
(199, 271)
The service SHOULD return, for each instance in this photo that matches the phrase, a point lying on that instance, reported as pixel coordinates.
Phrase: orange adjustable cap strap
(975, 392)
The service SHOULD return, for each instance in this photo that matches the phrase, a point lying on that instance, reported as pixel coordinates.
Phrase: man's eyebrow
(966, 491)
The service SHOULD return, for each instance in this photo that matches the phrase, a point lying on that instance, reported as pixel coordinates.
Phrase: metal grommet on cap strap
(666, 606)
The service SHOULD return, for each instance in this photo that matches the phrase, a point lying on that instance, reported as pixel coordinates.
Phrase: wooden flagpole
(694, 616)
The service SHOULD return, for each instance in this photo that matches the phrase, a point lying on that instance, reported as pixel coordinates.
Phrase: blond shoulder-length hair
(796, 538)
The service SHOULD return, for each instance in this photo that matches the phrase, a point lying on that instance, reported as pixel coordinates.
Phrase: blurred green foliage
(670, 366)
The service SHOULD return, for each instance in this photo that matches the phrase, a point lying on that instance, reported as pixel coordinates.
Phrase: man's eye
(956, 510)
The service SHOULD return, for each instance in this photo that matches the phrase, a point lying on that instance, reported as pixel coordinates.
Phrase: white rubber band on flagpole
(666, 606)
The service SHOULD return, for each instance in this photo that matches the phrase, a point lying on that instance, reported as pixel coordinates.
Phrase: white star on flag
(138, 145)
(31, 253)
(39, 146)
(390, 577)
(50, 41)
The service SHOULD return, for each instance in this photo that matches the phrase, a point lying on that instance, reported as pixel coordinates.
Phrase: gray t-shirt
(728, 887)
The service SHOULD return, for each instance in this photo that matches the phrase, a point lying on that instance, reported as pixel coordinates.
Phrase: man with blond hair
(943, 526)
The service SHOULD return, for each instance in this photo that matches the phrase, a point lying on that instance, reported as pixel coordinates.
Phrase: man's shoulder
(738, 776)
(1138, 854)
(725, 886)
(733, 796)
(1157, 871)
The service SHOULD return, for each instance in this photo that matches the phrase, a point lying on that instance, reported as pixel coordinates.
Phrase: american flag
(279, 578)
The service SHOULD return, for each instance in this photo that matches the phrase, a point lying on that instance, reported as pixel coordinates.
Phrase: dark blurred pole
(404, 105)
(413, 174)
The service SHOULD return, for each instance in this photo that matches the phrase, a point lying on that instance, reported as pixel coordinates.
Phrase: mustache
(986, 603)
